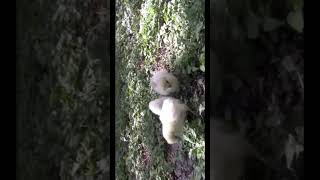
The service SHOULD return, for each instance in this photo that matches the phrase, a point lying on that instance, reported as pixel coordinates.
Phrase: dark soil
(182, 166)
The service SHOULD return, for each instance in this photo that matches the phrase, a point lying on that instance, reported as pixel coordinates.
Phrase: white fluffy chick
(156, 105)
(228, 151)
(164, 83)
(172, 114)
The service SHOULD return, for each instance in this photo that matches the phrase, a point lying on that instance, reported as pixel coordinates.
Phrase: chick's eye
(167, 83)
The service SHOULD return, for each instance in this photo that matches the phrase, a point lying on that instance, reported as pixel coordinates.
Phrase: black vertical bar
(112, 89)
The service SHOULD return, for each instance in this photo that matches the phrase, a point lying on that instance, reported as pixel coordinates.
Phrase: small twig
(301, 81)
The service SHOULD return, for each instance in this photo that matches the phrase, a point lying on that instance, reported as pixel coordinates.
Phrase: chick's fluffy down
(172, 116)
(156, 105)
(164, 83)
(172, 113)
